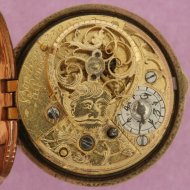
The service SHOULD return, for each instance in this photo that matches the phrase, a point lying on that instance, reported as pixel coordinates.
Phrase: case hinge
(8, 110)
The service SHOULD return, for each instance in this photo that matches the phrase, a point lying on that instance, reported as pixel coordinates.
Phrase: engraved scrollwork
(122, 66)
(152, 60)
(77, 82)
(106, 151)
(69, 75)
(96, 58)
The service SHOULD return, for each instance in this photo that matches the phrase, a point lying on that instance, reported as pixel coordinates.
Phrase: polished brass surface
(88, 74)
(63, 77)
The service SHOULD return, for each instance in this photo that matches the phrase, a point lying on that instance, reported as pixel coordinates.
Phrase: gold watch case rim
(7, 89)
(24, 46)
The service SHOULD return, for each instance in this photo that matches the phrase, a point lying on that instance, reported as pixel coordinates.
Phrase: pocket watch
(96, 92)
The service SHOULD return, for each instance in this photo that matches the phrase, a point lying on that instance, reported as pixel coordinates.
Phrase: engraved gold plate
(100, 94)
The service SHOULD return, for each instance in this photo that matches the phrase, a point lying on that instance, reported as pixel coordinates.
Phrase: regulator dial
(143, 113)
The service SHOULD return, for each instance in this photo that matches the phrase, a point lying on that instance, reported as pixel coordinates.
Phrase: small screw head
(53, 113)
(142, 140)
(150, 77)
(87, 143)
(112, 132)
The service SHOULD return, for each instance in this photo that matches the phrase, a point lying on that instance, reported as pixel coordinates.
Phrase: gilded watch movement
(100, 94)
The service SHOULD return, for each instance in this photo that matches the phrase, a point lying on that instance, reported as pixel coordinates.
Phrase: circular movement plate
(98, 94)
